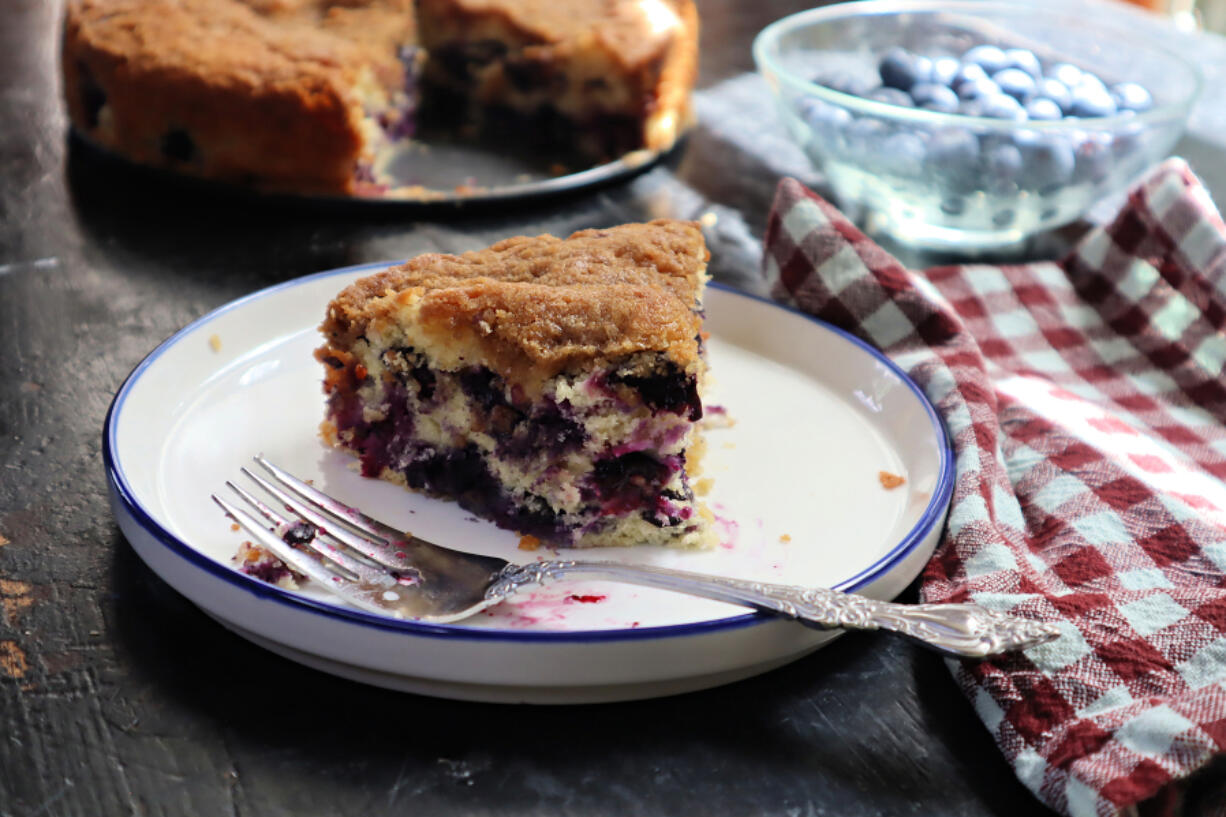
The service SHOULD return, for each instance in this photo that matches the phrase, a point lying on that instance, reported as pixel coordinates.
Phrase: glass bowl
(955, 181)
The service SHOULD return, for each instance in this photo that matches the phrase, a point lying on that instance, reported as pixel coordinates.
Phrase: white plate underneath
(793, 481)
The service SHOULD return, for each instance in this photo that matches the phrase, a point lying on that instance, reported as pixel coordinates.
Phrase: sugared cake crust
(532, 307)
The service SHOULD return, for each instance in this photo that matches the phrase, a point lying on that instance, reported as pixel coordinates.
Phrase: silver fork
(378, 568)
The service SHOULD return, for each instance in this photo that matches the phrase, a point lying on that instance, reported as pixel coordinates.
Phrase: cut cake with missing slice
(549, 385)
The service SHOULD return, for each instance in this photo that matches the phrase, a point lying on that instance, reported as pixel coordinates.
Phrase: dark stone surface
(117, 696)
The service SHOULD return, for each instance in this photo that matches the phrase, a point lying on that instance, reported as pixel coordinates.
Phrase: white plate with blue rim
(820, 425)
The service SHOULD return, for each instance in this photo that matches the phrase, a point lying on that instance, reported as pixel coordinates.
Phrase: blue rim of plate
(123, 491)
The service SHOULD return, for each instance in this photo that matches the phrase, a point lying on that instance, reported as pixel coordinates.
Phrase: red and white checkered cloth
(1086, 401)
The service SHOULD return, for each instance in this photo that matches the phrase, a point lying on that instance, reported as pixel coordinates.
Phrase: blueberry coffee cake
(550, 385)
(316, 96)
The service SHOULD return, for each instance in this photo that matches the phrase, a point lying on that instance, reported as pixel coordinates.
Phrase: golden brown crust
(535, 306)
(264, 90)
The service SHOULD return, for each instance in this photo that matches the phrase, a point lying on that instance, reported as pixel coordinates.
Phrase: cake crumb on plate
(890, 481)
(215, 342)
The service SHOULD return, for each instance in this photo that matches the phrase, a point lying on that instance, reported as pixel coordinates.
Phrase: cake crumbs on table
(529, 542)
(890, 481)
(787, 537)
(215, 342)
(234, 526)
(703, 486)
(708, 219)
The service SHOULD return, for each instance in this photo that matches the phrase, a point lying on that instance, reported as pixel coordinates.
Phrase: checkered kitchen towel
(1086, 401)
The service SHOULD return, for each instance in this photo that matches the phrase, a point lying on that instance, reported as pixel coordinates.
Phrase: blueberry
(93, 98)
(844, 83)
(1004, 166)
(978, 88)
(1047, 160)
(891, 96)
(1068, 75)
(904, 154)
(1043, 109)
(178, 146)
(967, 72)
(953, 205)
(1002, 106)
(1015, 82)
(1089, 83)
(1025, 60)
(934, 97)
(865, 135)
(988, 57)
(1056, 91)
(1093, 157)
(1129, 96)
(923, 69)
(899, 69)
(1003, 218)
(952, 147)
(1127, 141)
(823, 116)
(667, 390)
(971, 107)
(1089, 102)
(954, 154)
(944, 69)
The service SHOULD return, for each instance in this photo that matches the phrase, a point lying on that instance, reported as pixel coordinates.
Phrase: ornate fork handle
(964, 630)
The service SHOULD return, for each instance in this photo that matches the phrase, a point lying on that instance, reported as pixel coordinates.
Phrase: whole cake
(313, 96)
(550, 385)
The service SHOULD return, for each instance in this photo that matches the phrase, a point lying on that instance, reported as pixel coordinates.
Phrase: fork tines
(346, 544)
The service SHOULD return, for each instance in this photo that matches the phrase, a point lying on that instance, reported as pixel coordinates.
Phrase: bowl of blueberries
(970, 126)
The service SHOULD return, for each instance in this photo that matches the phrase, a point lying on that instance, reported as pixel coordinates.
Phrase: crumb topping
(542, 303)
(246, 42)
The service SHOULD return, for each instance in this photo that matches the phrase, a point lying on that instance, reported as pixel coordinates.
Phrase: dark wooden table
(119, 697)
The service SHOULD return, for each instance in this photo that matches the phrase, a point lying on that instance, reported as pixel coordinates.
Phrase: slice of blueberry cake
(550, 385)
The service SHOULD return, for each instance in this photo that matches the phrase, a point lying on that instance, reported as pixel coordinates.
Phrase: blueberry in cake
(315, 96)
(550, 385)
